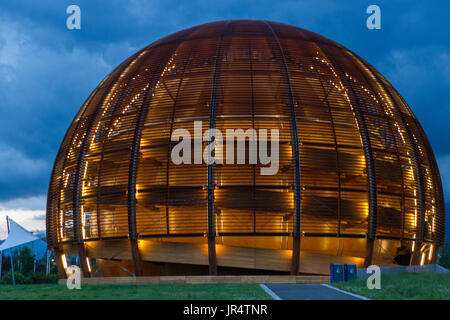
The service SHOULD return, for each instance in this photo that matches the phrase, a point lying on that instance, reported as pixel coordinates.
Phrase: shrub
(18, 277)
(34, 278)
(40, 277)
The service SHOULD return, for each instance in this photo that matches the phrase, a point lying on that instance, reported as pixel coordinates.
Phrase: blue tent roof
(38, 248)
(19, 237)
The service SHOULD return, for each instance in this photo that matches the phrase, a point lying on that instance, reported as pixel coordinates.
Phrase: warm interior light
(88, 264)
(422, 260)
(61, 226)
(64, 261)
(415, 206)
(83, 223)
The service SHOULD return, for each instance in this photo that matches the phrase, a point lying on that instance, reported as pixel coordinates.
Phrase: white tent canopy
(16, 237)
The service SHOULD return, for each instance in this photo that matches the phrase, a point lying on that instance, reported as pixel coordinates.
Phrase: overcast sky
(47, 71)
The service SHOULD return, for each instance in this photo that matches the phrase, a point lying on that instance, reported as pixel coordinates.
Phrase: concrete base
(205, 279)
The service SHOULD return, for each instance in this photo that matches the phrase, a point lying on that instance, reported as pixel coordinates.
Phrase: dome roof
(353, 160)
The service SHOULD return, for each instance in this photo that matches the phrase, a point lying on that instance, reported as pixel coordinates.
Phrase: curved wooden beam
(211, 185)
(295, 158)
(415, 258)
(357, 103)
(134, 159)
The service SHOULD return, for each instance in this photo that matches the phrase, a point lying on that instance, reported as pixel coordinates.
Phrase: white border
(346, 292)
(269, 292)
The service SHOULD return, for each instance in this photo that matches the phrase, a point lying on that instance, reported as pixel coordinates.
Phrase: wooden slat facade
(356, 175)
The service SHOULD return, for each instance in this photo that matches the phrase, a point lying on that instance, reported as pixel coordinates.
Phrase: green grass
(134, 292)
(403, 286)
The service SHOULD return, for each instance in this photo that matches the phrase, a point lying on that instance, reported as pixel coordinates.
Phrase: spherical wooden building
(357, 180)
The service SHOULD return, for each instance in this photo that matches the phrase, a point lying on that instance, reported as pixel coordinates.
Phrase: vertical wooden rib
(140, 56)
(417, 164)
(389, 121)
(336, 148)
(357, 103)
(135, 151)
(169, 140)
(51, 215)
(212, 260)
(436, 178)
(295, 267)
(132, 230)
(76, 195)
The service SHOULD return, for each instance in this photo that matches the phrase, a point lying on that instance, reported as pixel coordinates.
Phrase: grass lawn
(403, 286)
(134, 292)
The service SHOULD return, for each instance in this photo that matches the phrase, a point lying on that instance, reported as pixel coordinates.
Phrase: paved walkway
(309, 292)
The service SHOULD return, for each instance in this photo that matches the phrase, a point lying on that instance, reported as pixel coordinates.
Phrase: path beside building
(309, 292)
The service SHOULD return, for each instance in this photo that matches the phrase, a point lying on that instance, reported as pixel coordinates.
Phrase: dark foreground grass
(403, 286)
(164, 291)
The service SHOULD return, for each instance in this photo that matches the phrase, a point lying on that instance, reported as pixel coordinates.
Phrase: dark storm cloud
(46, 71)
